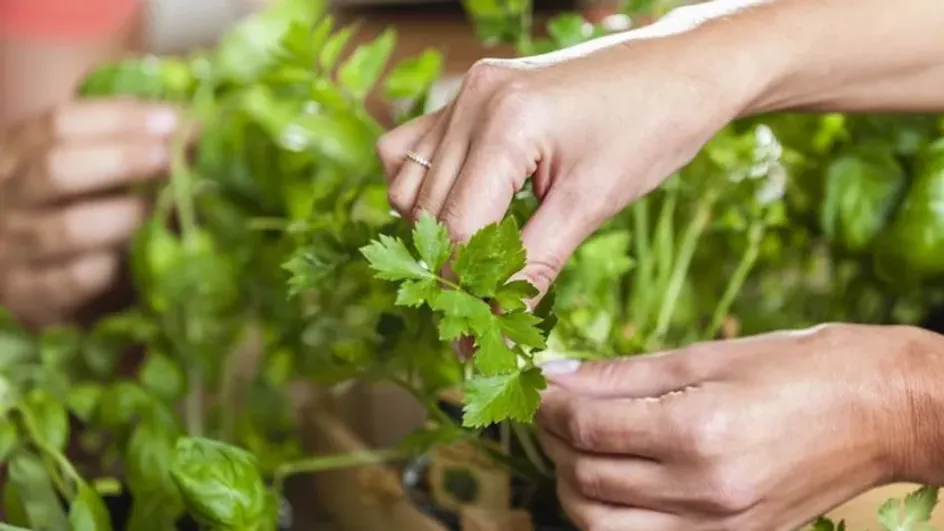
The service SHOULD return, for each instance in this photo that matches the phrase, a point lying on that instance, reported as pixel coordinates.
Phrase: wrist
(912, 418)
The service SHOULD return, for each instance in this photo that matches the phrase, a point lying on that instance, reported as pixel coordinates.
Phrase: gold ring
(419, 159)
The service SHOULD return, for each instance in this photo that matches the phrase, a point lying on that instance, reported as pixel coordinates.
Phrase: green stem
(642, 285)
(754, 237)
(529, 449)
(333, 462)
(432, 408)
(60, 460)
(683, 260)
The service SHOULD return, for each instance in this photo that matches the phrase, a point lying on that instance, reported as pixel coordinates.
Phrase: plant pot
(543, 508)
(119, 510)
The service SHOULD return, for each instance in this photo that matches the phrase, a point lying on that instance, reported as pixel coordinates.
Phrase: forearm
(829, 55)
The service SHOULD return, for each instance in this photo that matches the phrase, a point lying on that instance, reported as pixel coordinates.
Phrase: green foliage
(284, 195)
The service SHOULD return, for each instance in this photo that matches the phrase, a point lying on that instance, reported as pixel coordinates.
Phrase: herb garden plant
(271, 257)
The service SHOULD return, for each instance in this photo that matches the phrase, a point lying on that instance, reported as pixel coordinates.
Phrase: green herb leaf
(360, 71)
(221, 485)
(83, 400)
(333, 47)
(523, 329)
(412, 77)
(432, 242)
(49, 417)
(162, 376)
(414, 293)
(492, 399)
(88, 511)
(393, 261)
(907, 514)
(36, 493)
(489, 258)
(9, 438)
(569, 29)
(513, 295)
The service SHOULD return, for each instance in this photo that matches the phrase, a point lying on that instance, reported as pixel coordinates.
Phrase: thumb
(551, 236)
(640, 376)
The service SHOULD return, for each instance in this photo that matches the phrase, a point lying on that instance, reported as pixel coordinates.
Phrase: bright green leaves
(254, 45)
(490, 257)
(148, 460)
(412, 77)
(46, 418)
(162, 376)
(392, 260)
(432, 242)
(861, 190)
(480, 303)
(492, 399)
(36, 494)
(910, 514)
(220, 484)
(824, 524)
(88, 512)
(360, 72)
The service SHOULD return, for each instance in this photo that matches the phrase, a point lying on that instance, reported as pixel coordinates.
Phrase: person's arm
(46, 46)
(818, 55)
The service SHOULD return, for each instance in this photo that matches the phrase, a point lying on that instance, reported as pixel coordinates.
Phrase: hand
(64, 205)
(756, 434)
(596, 126)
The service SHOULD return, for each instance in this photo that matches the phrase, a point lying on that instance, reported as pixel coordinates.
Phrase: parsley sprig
(482, 302)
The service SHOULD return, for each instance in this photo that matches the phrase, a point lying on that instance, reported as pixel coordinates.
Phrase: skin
(65, 168)
(661, 442)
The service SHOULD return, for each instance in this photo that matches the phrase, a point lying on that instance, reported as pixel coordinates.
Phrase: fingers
(392, 146)
(560, 224)
(37, 236)
(75, 169)
(630, 481)
(592, 515)
(617, 426)
(638, 376)
(43, 295)
(112, 118)
(405, 186)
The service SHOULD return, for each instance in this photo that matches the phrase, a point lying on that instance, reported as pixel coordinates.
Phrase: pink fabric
(65, 19)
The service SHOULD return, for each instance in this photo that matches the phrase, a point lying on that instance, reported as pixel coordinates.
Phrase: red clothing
(64, 19)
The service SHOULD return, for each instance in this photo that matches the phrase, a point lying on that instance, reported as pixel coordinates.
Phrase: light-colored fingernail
(559, 367)
(94, 271)
(162, 122)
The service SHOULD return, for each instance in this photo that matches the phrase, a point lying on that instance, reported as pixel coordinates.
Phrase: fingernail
(162, 122)
(559, 367)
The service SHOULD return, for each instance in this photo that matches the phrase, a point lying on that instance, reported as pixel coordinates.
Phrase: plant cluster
(272, 258)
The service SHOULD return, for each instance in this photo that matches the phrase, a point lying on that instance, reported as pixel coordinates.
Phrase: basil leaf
(35, 490)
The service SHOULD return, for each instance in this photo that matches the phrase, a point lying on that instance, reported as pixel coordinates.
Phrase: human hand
(596, 126)
(755, 434)
(64, 205)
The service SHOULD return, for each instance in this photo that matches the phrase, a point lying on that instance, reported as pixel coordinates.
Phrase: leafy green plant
(282, 195)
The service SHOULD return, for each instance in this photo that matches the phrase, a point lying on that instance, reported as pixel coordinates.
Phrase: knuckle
(543, 271)
(580, 430)
(482, 75)
(513, 102)
(587, 477)
(387, 150)
(729, 491)
(399, 200)
(705, 434)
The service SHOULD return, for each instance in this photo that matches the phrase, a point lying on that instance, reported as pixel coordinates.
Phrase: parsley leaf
(522, 328)
(390, 258)
(489, 258)
(907, 514)
(432, 242)
(414, 293)
(512, 296)
(491, 399)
